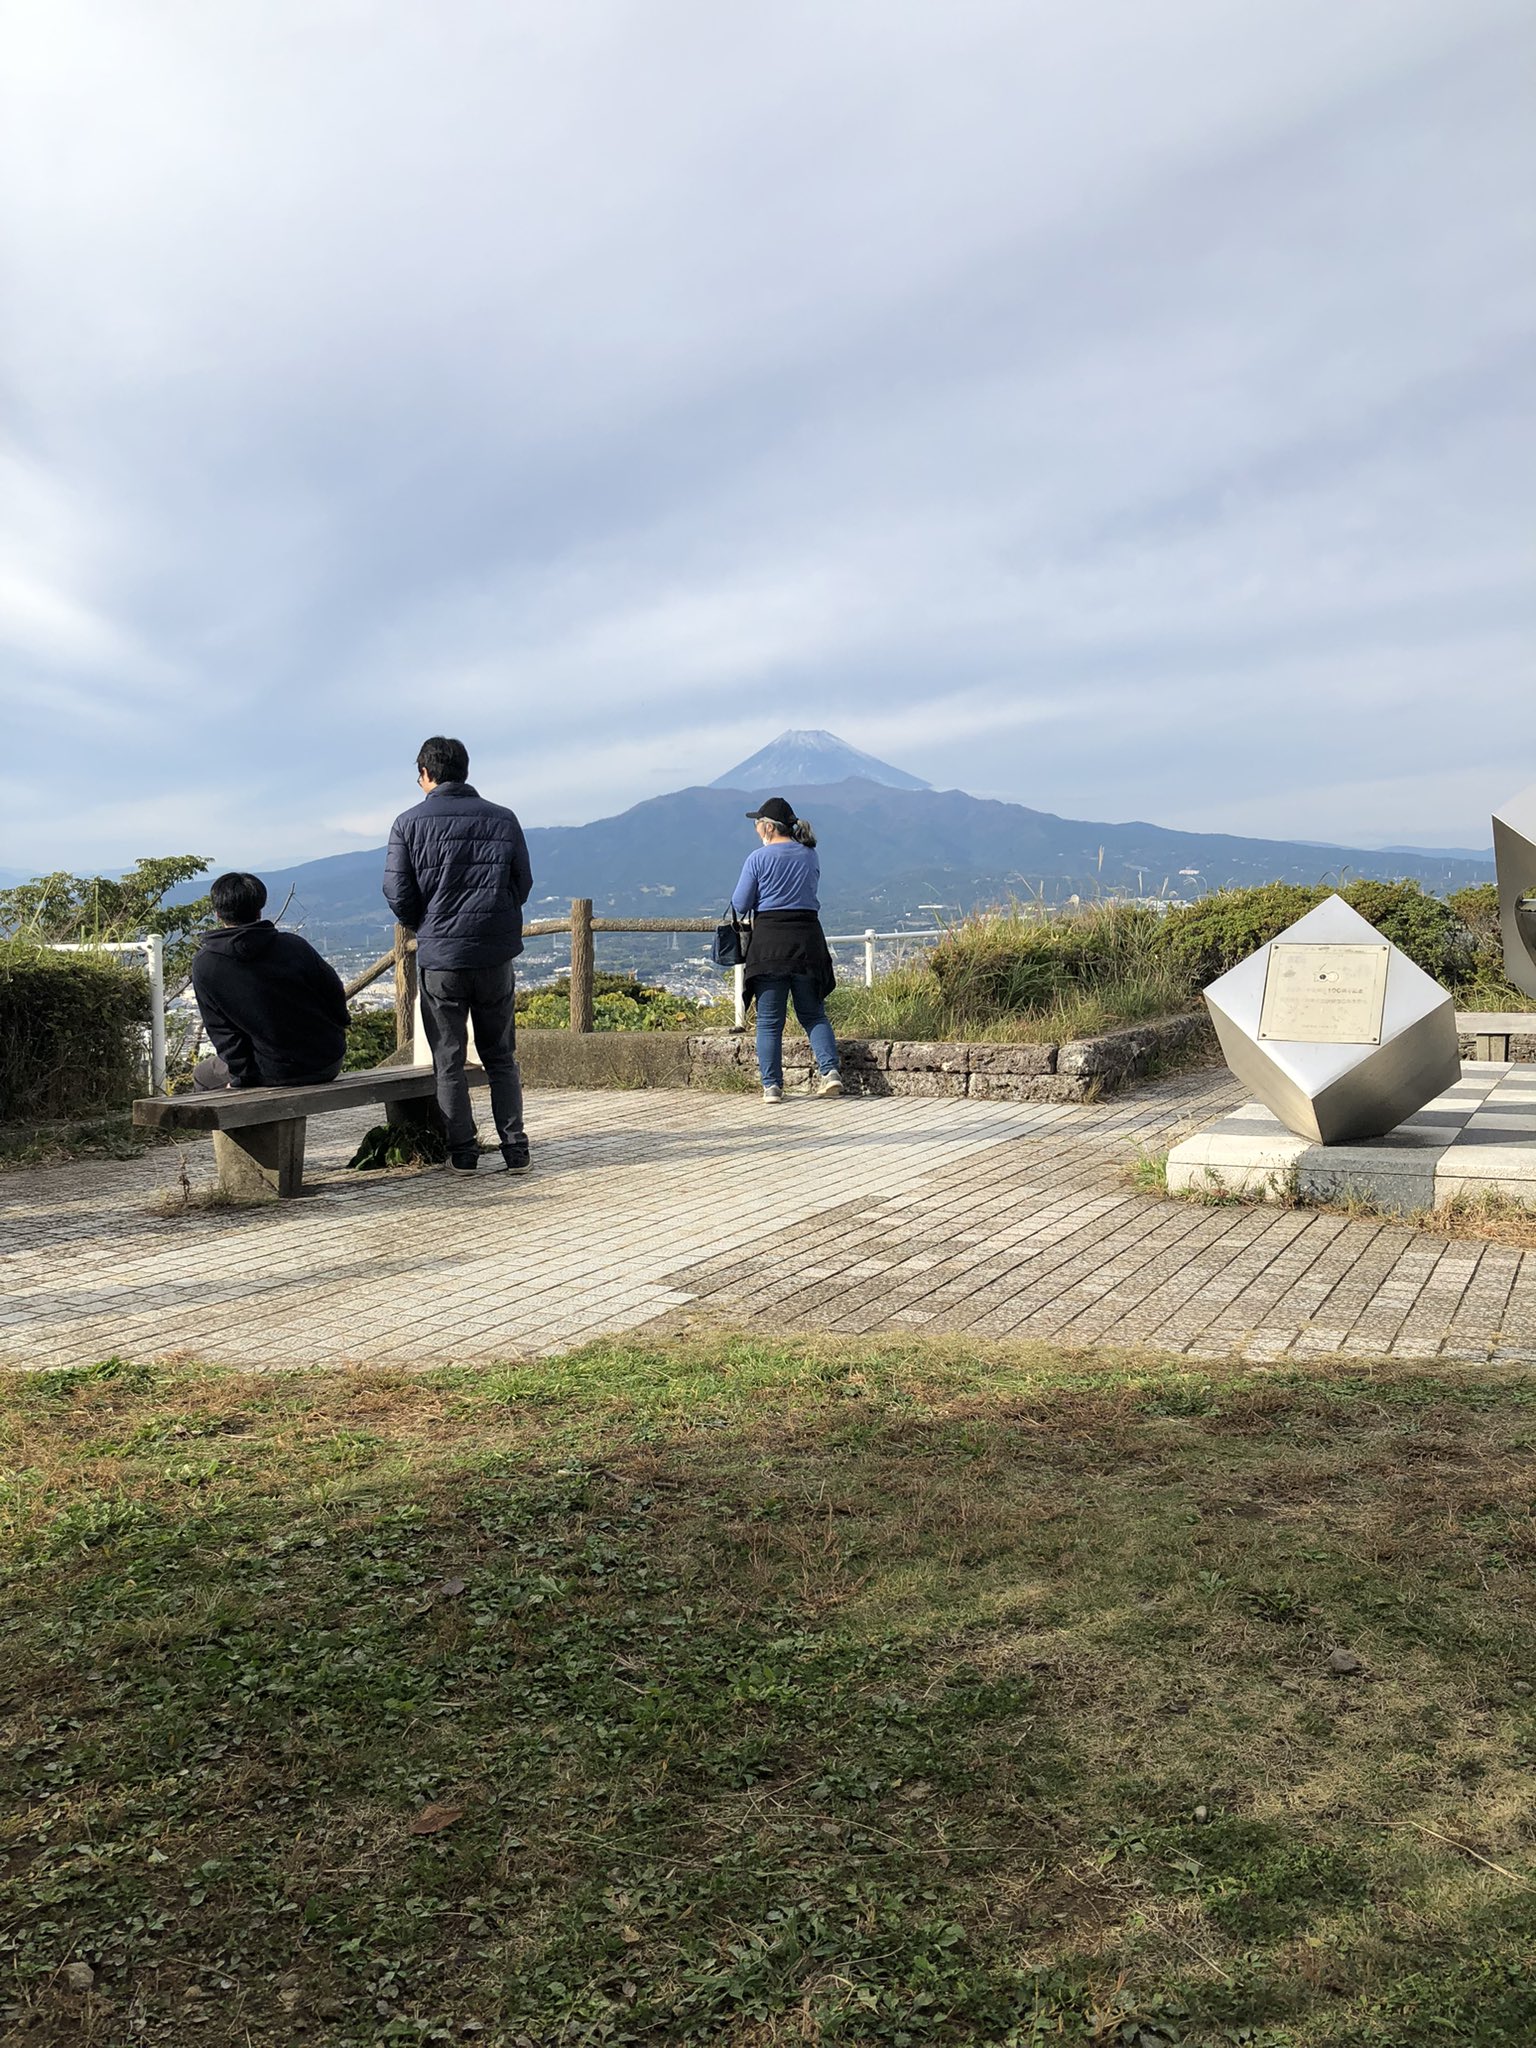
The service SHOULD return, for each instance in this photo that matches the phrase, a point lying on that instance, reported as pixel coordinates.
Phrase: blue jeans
(773, 997)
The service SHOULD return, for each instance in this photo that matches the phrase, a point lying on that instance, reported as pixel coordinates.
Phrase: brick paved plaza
(680, 1209)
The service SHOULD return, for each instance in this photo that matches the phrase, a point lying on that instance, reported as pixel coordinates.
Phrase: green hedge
(71, 1033)
(370, 1038)
(1211, 935)
(620, 1002)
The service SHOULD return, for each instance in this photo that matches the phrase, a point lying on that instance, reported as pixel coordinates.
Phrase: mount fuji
(812, 760)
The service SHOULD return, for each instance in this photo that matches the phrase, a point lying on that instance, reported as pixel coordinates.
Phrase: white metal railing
(866, 939)
(153, 948)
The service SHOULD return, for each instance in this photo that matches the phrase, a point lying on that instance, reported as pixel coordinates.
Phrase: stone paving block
(932, 1086)
(1012, 1059)
(860, 1053)
(915, 1057)
(994, 1087)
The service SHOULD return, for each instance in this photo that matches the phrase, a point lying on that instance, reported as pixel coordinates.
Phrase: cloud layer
(1123, 409)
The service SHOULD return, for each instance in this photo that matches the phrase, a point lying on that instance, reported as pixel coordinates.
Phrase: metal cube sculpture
(1336, 1090)
(1514, 853)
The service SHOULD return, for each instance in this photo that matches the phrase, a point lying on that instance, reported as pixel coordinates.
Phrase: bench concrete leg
(261, 1159)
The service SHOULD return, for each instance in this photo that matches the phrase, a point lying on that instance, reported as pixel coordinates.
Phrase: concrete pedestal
(1480, 1135)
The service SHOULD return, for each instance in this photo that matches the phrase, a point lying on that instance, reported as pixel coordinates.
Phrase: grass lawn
(770, 1694)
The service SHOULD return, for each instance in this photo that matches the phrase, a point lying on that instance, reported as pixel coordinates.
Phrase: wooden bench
(258, 1133)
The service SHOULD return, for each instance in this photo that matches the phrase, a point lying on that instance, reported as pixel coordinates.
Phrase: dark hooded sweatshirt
(273, 1008)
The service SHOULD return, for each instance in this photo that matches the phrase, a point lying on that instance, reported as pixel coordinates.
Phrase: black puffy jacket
(457, 873)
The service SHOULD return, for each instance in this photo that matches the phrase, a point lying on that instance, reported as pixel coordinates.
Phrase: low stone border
(1074, 1072)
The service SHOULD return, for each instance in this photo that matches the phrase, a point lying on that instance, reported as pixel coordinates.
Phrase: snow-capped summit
(809, 760)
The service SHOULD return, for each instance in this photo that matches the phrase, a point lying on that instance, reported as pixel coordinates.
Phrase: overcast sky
(1121, 407)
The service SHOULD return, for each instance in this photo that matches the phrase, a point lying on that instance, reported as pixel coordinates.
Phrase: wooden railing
(581, 924)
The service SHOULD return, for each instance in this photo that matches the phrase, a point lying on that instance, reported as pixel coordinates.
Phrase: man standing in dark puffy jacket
(457, 874)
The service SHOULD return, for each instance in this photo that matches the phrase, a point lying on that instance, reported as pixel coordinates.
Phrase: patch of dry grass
(1489, 1215)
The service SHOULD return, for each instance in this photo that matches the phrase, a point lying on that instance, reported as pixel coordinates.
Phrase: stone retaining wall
(1073, 1072)
(603, 1059)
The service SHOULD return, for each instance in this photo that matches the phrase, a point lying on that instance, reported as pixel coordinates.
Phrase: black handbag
(730, 946)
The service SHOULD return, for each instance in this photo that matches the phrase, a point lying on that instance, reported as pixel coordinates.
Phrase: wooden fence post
(405, 991)
(581, 963)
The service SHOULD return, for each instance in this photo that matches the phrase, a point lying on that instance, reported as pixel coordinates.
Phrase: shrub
(544, 1010)
(370, 1038)
(1023, 975)
(620, 1002)
(128, 906)
(1014, 974)
(617, 1013)
(71, 1032)
(1209, 936)
(1215, 933)
(1424, 927)
(1478, 910)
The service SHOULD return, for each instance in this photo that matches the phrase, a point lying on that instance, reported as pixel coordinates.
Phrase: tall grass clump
(1011, 973)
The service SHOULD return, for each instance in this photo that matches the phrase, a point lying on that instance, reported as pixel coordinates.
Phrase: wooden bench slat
(237, 1108)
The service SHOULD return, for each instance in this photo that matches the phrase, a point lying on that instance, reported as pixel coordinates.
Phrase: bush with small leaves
(72, 1038)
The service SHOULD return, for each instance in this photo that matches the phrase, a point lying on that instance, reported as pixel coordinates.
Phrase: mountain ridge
(885, 854)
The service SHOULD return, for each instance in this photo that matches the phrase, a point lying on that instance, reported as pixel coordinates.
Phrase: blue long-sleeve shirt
(780, 876)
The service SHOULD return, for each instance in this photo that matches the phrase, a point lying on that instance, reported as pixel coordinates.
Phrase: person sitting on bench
(274, 1009)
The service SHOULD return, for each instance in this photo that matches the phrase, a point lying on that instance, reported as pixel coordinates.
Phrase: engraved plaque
(1324, 994)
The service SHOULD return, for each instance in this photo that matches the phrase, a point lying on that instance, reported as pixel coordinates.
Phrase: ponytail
(804, 833)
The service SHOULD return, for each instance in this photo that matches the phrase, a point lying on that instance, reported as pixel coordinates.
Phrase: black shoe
(466, 1162)
(516, 1154)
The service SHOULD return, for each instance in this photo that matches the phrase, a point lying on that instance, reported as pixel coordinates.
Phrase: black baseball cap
(777, 812)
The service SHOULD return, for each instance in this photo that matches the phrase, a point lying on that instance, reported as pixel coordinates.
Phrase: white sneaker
(773, 1095)
(830, 1084)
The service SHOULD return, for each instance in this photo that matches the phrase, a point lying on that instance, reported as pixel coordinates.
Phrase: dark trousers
(211, 1073)
(453, 999)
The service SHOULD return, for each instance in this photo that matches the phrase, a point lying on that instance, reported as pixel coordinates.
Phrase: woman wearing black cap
(788, 958)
